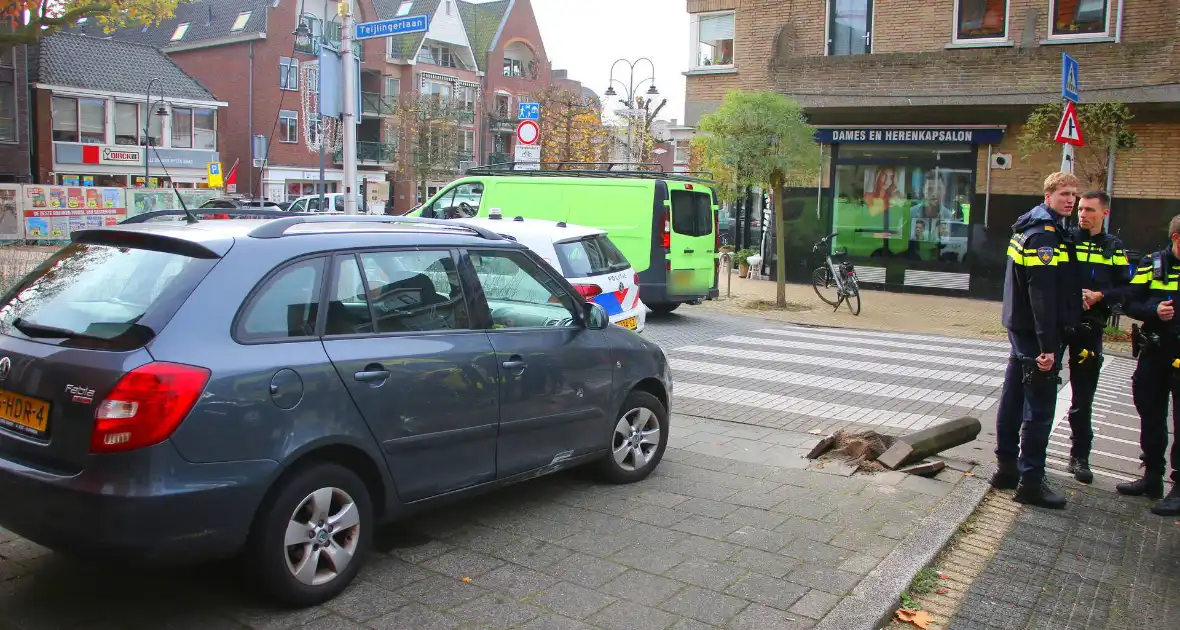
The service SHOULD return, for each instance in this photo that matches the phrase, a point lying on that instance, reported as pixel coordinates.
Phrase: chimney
(209, 20)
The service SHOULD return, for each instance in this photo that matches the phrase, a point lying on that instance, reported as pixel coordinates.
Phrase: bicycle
(841, 277)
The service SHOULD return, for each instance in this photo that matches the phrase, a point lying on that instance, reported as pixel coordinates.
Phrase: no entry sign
(528, 132)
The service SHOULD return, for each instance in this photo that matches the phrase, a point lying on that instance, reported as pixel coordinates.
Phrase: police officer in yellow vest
(1106, 274)
(1157, 374)
(1042, 300)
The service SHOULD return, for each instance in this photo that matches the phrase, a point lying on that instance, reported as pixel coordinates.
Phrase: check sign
(395, 26)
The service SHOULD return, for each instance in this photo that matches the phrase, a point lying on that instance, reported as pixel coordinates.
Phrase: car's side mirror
(595, 316)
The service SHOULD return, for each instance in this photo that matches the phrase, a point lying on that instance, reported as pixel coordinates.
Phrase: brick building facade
(965, 74)
(14, 116)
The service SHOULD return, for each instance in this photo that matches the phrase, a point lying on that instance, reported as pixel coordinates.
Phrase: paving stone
(707, 548)
(927, 486)
(586, 570)
(555, 622)
(462, 563)
(630, 616)
(815, 604)
(763, 539)
(493, 611)
(422, 553)
(440, 591)
(772, 564)
(704, 605)
(660, 498)
(705, 507)
(711, 575)
(596, 544)
(764, 519)
(414, 616)
(813, 552)
(517, 581)
(707, 527)
(657, 515)
(642, 588)
(571, 600)
(774, 592)
(533, 554)
(759, 617)
(654, 559)
(329, 622)
(826, 579)
(809, 529)
(364, 600)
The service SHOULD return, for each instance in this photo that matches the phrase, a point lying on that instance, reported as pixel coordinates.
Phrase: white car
(333, 202)
(586, 257)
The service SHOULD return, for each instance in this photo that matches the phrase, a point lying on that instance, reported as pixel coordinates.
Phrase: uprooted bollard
(916, 446)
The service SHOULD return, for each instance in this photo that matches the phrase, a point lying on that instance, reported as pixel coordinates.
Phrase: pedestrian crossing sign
(1069, 131)
(1069, 79)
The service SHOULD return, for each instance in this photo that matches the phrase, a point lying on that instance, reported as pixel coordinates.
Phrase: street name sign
(394, 26)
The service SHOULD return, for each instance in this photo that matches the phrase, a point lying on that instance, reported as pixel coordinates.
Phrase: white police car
(585, 256)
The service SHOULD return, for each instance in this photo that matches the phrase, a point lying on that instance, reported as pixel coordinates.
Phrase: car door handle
(371, 376)
(515, 363)
(689, 251)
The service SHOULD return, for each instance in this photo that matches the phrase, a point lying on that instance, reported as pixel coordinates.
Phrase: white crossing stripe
(1097, 436)
(947, 347)
(813, 408)
(862, 352)
(1092, 452)
(867, 388)
(887, 369)
(1096, 471)
(962, 342)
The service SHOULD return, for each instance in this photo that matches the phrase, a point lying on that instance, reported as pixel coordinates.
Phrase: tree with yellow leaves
(572, 124)
(30, 20)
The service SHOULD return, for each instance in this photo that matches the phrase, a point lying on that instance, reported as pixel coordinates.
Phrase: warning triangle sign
(1069, 131)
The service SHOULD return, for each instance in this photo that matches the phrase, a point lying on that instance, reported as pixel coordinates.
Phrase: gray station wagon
(179, 391)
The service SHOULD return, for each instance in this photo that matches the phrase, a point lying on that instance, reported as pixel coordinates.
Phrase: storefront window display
(909, 202)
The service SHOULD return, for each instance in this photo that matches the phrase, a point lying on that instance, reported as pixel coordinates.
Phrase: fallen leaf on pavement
(968, 474)
(816, 432)
(942, 591)
(919, 618)
(465, 580)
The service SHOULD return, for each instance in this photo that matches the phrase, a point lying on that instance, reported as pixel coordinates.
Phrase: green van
(664, 223)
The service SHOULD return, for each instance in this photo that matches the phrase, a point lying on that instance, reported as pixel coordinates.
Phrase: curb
(872, 602)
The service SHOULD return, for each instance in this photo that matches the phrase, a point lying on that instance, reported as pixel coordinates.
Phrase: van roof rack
(632, 170)
(278, 227)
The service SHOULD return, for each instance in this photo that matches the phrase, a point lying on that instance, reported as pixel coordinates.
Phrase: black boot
(1149, 485)
(1170, 506)
(1038, 492)
(1007, 476)
(1080, 467)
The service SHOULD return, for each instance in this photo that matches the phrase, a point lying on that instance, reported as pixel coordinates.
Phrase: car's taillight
(666, 239)
(588, 291)
(146, 406)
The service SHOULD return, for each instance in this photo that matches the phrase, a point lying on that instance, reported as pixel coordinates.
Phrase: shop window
(127, 124)
(712, 37)
(65, 119)
(288, 74)
(903, 202)
(1080, 17)
(7, 112)
(981, 20)
(205, 129)
(850, 27)
(288, 126)
(182, 128)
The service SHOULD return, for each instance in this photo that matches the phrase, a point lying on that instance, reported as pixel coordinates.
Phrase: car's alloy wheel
(636, 440)
(322, 536)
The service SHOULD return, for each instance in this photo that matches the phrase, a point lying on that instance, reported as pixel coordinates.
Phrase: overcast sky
(587, 36)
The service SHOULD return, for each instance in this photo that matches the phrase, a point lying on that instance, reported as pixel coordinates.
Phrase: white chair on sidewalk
(755, 263)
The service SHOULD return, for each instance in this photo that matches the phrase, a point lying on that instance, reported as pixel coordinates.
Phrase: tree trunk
(780, 241)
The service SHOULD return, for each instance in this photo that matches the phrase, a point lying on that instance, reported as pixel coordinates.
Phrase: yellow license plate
(630, 323)
(23, 414)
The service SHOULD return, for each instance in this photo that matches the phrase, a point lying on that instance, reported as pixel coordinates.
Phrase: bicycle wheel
(825, 285)
(852, 295)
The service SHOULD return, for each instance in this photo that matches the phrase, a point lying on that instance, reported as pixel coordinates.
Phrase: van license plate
(630, 323)
(23, 414)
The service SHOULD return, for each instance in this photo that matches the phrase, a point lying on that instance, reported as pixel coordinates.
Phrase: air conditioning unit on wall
(1001, 161)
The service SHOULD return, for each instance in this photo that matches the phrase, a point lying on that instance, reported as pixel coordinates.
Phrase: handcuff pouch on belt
(1038, 378)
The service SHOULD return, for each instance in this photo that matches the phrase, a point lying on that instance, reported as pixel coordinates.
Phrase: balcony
(499, 158)
(313, 48)
(466, 117)
(374, 104)
(372, 153)
(500, 120)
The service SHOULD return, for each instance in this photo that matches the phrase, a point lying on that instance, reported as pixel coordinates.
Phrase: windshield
(591, 256)
(99, 293)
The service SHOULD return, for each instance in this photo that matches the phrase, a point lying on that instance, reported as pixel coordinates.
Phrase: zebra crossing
(821, 379)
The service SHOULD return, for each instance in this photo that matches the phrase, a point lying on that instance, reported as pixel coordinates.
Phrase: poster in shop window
(54, 212)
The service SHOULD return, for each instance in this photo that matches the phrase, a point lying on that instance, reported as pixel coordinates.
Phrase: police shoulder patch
(1046, 254)
(1050, 228)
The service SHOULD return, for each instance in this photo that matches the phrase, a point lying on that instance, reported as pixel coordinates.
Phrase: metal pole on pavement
(348, 115)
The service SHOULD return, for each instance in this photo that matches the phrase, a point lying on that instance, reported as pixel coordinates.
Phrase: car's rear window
(100, 296)
(692, 213)
(590, 256)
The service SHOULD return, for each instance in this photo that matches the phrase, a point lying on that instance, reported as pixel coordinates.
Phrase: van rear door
(692, 240)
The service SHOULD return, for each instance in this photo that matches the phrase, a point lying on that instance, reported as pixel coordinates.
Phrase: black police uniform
(1157, 346)
(1042, 298)
(1103, 266)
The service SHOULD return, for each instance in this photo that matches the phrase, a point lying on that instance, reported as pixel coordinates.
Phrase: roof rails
(630, 170)
(278, 227)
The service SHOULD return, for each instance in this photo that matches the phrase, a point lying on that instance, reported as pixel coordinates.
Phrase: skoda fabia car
(277, 388)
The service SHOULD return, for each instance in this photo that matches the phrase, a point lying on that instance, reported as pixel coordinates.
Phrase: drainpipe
(1118, 24)
(250, 119)
(30, 137)
(987, 191)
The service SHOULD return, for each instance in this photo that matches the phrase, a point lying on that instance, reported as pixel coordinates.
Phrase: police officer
(1105, 277)
(1042, 298)
(1157, 346)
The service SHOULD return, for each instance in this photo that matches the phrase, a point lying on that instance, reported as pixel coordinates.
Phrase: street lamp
(147, 134)
(302, 36)
(631, 93)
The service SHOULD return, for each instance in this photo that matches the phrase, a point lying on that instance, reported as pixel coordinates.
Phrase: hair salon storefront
(906, 201)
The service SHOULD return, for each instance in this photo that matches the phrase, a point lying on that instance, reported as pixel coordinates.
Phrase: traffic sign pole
(348, 80)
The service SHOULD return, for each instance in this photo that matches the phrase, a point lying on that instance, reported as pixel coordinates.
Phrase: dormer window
(439, 55)
(240, 22)
(178, 34)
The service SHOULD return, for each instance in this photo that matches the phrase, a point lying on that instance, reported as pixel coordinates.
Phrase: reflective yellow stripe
(1120, 260)
(1163, 286)
(1029, 258)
